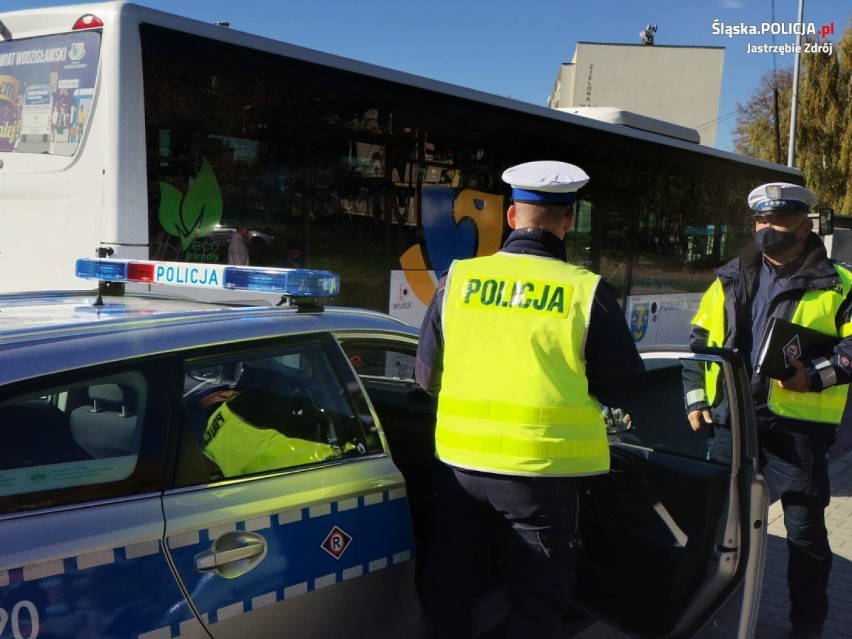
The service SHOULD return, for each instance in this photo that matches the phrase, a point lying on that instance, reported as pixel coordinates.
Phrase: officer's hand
(616, 419)
(699, 418)
(799, 382)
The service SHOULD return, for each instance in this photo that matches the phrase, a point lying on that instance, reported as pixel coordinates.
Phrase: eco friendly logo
(194, 214)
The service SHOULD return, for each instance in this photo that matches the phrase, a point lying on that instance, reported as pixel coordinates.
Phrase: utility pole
(794, 105)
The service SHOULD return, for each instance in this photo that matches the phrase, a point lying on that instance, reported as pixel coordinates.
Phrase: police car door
(673, 542)
(81, 519)
(311, 539)
(385, 365)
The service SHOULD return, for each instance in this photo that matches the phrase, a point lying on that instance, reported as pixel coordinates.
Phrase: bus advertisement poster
(46, 89)
(661, 319)
(405, 301)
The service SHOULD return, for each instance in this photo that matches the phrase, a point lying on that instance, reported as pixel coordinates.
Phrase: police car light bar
(293, 282)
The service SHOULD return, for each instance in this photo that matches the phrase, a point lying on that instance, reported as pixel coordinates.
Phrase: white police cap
(781, 197)
(545, 181)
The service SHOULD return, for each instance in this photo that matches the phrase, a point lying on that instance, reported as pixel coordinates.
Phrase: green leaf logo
(195, 214)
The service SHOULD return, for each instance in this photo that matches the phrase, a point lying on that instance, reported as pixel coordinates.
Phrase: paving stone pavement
(772, 622)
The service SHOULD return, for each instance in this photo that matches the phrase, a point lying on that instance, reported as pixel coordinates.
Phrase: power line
(707, 125)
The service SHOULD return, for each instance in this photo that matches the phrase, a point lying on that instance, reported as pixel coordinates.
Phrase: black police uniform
(542, 511)
(793, 452)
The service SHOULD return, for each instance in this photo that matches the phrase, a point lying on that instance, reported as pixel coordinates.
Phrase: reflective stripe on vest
(239, 448)
(522, 408)
(817, 310)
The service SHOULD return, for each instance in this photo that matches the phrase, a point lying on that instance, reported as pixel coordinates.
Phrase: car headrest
(106, 393)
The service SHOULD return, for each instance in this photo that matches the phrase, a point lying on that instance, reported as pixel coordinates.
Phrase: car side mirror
(826, 221)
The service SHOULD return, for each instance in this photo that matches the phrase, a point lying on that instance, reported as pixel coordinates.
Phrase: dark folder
(784, 341)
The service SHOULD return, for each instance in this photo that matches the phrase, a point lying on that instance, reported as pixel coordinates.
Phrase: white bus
(166, 127)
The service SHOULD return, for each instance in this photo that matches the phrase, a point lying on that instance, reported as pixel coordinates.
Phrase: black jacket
(739, 279)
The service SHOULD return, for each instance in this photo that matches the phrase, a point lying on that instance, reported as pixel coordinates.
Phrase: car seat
(107, 426)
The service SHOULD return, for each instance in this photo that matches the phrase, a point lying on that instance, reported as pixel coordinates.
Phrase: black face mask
(773, 242)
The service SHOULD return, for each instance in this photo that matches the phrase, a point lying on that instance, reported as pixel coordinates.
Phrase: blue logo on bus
(78, 50)
(639, 321)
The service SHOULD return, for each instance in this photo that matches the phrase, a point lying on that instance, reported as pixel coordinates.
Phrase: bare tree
(761, 129)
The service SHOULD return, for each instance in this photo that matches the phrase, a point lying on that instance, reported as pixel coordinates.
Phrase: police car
(171, 468)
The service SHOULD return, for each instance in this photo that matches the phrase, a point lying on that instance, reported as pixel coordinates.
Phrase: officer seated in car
(254, 431)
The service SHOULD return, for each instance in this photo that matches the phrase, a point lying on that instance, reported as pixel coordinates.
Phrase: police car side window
(76, 438)
(378, 359)
(264, 411)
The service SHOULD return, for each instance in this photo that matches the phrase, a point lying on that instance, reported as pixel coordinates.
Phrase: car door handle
(233, 554)
(210, 559)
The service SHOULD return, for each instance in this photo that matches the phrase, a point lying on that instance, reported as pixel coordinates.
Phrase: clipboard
(784, 341)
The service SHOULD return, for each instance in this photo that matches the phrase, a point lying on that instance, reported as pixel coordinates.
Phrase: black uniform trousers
(488, 527)
(796, 465)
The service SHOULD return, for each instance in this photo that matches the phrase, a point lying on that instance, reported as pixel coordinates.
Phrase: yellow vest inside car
(239, 447)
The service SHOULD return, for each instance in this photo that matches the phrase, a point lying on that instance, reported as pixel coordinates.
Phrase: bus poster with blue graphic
(46, 90)
(456, 225)
(470, 224)
(661, 319)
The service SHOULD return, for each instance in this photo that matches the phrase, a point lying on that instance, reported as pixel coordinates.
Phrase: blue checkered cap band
(545, 181)
(781, 197)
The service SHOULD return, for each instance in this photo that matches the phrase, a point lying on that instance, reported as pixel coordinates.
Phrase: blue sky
(511, 47)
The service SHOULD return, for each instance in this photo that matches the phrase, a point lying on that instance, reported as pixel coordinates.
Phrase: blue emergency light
(292, 282)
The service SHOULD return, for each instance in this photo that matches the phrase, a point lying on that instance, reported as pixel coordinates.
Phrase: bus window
(578, 241)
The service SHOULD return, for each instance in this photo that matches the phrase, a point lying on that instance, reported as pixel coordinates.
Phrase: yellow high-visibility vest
(240, 448)
(514, 395)
(817, 310)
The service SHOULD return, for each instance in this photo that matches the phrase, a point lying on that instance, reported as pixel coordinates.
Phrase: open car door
(674, 543)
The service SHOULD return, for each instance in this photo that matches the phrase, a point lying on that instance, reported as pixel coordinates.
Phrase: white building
(676, 84)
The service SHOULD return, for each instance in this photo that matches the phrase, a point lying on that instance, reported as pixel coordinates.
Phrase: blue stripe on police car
(296, 562)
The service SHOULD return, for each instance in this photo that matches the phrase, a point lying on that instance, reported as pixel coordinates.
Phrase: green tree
(821, 125)
(844, 89)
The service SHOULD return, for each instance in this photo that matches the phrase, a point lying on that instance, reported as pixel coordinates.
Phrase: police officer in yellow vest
(517, 346)
(251, 431)
(785, 273)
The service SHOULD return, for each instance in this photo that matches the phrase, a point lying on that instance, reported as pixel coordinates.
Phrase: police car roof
(55, 331)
